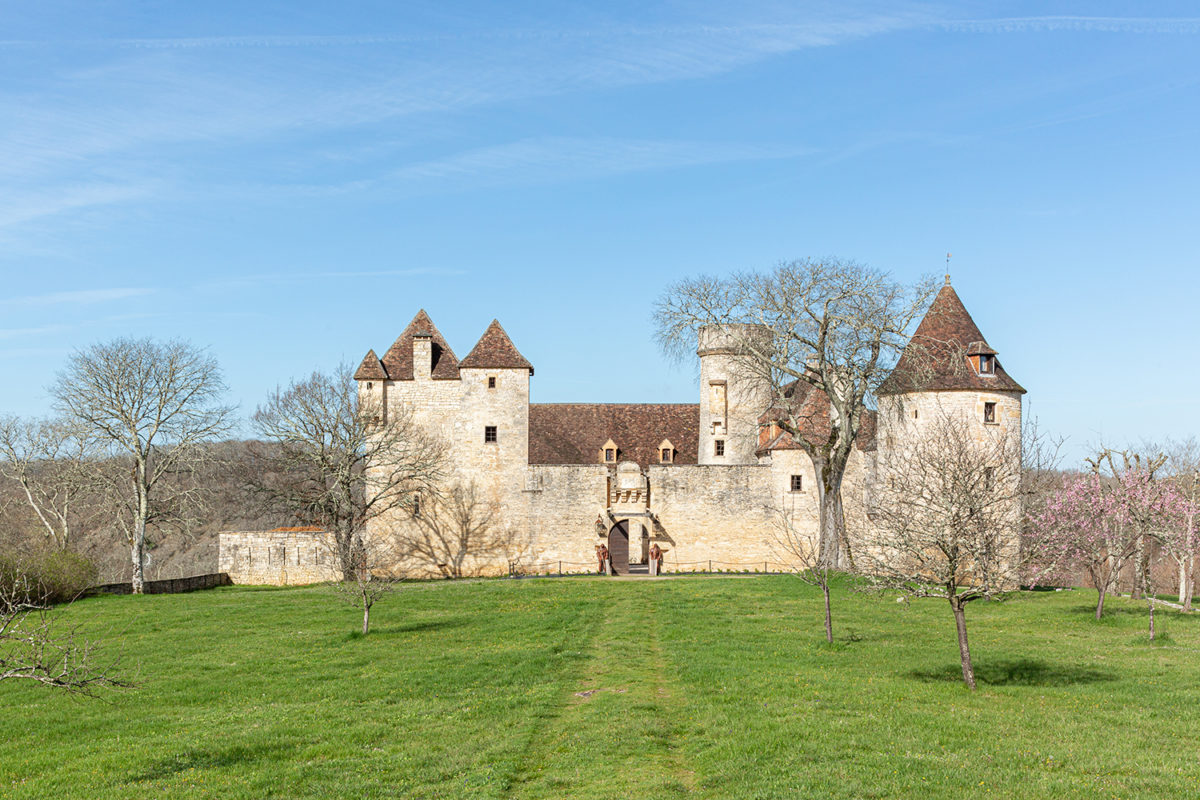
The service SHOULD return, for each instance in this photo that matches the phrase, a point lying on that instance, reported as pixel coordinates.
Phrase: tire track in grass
(617, 734)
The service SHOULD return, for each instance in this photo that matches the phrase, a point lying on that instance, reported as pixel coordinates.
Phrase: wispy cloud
(1048, 24)
(282, 278)
(17, 333)
(552, 159)
(86, 296)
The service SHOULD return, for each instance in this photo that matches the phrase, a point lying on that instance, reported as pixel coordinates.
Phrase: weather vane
(948, 256)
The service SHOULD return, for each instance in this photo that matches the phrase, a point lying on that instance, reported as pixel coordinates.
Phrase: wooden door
(618, 548)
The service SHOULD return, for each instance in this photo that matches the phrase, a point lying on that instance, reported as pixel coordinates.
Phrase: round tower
(734, 392)
(948, 369)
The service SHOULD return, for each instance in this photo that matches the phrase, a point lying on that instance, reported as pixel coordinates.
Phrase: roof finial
(948, 255)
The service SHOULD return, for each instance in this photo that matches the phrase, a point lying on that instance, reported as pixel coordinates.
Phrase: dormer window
(666, 455)
(987, 365)
(610, 454)
(666, 452)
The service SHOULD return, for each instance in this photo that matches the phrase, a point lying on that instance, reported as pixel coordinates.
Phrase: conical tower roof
(370, 369)
(936, 358)
(495, 350)
(398, 360)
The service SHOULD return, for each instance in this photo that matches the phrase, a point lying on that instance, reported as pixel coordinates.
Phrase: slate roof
(495, 350)
(936, 356)
(812, 409)
(398, 360)
(574, 433)
(370, 369)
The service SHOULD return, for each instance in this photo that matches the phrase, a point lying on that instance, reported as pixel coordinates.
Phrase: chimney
(422, 355)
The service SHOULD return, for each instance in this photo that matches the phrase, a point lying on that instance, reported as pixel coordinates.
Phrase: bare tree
(54, 463)
(332, 462)
(33, 648)
(370, 561)
(835, 327)
(458, 527)
(153, 405)
(801, 551)
(947, 524)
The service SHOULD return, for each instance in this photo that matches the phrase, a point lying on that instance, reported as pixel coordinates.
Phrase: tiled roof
(812, 410)
(495, 350)
(574, 433)
(936, 356)
(398, 360)
(370, 369)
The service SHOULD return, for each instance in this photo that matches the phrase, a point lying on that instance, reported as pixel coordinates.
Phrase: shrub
(45, 577)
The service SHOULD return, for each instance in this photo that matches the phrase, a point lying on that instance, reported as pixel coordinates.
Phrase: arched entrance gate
(618, 548)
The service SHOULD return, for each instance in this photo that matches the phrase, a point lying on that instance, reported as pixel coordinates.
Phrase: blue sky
(287, 183)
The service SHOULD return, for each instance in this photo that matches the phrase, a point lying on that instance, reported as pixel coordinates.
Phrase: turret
(948, 368)
(733, 393)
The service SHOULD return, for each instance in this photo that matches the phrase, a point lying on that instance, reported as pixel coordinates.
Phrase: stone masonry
(709, 483)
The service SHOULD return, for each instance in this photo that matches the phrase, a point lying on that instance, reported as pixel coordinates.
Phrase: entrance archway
(618, 548)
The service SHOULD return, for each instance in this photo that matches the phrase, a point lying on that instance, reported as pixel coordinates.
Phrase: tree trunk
(1191, 582)
(1139, 574)
(829, 498)
(1100, 603)
(366, 618)
(964, 649)
(1150, 603)
(828, 616)
(138, 545)
(1182, 579)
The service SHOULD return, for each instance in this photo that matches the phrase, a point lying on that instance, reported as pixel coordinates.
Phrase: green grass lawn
(713, 687)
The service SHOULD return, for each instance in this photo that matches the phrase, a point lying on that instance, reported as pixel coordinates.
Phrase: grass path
(618, 733)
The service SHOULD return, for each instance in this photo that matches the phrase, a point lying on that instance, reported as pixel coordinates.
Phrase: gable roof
(936, 356)
(495, 350)
(370, 369)
(398, 360)
(574, 433)
(811, 406)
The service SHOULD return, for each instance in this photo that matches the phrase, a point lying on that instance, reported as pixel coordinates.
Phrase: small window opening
(797, 483)
(610, 454)
(719, 447)
(666, 455)
(989, 412)
(987, 365)
(491, 381)
(915, 413)
(416, 505)
(370, 386)
(489, 434)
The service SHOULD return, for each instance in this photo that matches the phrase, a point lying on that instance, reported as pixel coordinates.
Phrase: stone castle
(707, 482)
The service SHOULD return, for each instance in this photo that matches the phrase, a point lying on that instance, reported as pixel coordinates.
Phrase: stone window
(719, 447)
(491, 381)
(416, 505)
(989, 412)
(610, 454)
(666, 451)
(987, 365)
(797, 483)
(370, 386)
(666, 455)
(489, 434)
(915, 413)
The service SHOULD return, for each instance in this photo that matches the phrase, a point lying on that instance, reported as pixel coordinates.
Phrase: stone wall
(276, 558)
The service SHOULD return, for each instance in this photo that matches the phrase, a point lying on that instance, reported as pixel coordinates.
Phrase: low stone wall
(276, 558)
(169, 586)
